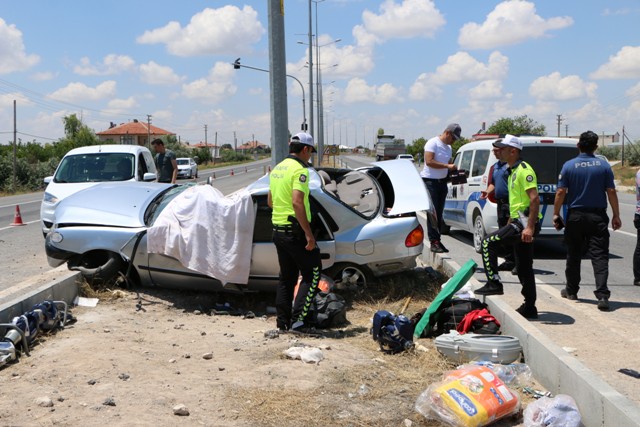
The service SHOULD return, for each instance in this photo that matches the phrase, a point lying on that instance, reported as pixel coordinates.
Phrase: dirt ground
(185, 353)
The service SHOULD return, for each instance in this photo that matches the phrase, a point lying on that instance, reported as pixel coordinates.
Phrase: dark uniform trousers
(636, 253)
(511, 236)
(438, 190)
(503, 219)
(587, 227)
(294, 258)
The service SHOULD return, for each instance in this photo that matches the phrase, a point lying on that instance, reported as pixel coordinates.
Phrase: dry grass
(625, 174)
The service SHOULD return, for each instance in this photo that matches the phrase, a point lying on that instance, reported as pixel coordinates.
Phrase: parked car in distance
(187, 167)
(405, 157)
(364, 220)
(84, 167)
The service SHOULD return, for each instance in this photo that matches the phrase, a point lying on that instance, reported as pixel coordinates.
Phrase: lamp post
(237, 65)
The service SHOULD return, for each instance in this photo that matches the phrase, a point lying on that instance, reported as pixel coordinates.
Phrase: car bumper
(57, 256)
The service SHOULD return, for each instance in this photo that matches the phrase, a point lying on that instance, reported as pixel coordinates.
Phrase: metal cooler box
(503, 349)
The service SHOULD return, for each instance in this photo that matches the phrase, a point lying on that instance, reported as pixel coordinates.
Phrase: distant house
(251, 147)
(213, 149)
(134, 133)
(605, 138)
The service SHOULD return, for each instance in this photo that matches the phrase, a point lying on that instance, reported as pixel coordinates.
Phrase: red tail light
(414, 238)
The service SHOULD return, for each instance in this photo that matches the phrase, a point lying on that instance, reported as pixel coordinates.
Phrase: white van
(84, 167)
(465, 210)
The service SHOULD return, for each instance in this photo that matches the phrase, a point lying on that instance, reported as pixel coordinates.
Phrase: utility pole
(149, 131)
(15, 134)
(566, 130)
(560, 120)
(215, 148)
(310, 71)
(278, 82)
(205, 136)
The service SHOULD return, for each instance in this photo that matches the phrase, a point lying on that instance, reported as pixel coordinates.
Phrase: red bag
(479, 321)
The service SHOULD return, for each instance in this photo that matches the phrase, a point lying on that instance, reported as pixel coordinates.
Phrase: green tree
(519, 125)
(380, 131)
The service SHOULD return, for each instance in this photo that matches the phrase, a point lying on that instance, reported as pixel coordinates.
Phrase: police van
(464, 209)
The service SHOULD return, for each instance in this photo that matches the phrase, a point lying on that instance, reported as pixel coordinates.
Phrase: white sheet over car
(207, 232)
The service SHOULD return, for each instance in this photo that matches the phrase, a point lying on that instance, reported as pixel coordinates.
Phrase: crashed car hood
(110, 204)
(410, 192)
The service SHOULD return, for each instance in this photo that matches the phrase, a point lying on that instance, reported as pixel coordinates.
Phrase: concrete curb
(62, 289)
(554, 368)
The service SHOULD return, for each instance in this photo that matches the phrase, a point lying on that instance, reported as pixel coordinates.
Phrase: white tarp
(207, 232)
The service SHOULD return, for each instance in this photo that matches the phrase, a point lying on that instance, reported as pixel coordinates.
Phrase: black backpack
(328, 310)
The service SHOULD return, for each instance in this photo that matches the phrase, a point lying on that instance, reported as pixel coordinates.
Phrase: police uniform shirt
(290, 174)
(499, 179)
(522, 177)
(587, 179)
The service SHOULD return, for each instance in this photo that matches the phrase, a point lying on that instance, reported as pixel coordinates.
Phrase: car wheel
(479, 233)
(102, 265)
(350, 276)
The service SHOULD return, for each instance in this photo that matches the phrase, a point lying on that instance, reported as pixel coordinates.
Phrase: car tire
(101, 265)
(350, 276)
(479, 233)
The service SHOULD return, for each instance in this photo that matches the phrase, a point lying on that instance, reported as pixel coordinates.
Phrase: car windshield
(95, 167)
(183, 161)
(159, 203)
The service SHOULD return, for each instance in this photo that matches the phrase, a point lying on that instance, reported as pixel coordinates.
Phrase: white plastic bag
(559, 411)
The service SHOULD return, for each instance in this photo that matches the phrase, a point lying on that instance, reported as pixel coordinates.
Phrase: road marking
(12, 226)
(623, 232)
(23, 203)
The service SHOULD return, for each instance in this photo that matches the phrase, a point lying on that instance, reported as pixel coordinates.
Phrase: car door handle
(325, 256)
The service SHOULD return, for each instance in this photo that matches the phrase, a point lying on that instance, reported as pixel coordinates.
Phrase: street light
(237, 65)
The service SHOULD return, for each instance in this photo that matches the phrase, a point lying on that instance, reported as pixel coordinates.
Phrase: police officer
(585, 182)
(523, 225)
(296, 246)
(498, 191)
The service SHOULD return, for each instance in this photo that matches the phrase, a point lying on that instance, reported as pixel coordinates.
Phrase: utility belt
(441, 180)
(294, 229)
(589, 210)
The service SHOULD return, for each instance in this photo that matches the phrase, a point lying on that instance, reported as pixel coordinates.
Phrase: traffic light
(236, 64)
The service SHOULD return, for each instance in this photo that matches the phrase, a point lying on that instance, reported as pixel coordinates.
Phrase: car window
(547, 160)
(148, 160)
(161, 201)
(95, 167)
(479, 162)
(465, 163)
(456, 159)
(183, 161)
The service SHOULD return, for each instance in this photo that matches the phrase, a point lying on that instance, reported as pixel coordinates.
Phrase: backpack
(479, 322)
(449, 315)
(393, 333)
(328, 310)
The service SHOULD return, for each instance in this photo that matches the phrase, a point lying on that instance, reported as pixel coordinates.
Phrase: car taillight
(414, 238)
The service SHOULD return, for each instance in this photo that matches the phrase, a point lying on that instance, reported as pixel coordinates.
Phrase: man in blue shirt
(586, 182)
(498, 191)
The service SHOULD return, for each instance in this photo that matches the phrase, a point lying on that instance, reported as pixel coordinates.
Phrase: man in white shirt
(437, 164)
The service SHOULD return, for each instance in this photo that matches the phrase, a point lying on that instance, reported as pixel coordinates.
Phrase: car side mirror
(149, 176)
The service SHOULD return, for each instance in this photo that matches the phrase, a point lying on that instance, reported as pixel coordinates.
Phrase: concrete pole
(278, 83)
(310, 72)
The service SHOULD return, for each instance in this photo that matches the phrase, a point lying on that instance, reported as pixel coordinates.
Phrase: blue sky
(409, 67)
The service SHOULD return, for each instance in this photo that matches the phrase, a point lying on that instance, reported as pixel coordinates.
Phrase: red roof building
(135, 133)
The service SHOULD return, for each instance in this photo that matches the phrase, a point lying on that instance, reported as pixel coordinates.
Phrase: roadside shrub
(611, 153)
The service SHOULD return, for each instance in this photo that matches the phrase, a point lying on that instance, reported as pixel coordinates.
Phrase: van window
(465, 163)
(479, 162)
(547, 161)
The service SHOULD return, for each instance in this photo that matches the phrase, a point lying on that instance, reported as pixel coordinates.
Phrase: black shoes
(636, 282)
(565, 294)
(515, 271)
(493, 287)
(507, 266)
(438, 247)
(603, 304)
(528, 311)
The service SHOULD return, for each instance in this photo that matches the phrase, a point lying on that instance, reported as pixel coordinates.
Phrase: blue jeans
(438, 190)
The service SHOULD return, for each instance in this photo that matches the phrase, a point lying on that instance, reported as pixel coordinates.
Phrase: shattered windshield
(159, 203)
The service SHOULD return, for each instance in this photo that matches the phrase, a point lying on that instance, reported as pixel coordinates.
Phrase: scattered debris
(207, 356)
(109, 401)
(44, 402)
(180, 410)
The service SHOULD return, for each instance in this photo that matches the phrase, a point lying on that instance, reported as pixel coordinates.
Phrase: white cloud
(357, 90)
(623, 65)
(557, 88)
(227, 30)
(510, 23)
(78, 92)
(112, 64)
(155, 74)
(12, 51)
(488, 89)
(43, 76)
(407, 19)
(6, 100)
(122, 105)
(216, 87)
(459, 67)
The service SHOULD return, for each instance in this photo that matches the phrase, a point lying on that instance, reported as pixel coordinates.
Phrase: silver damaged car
(365, 224)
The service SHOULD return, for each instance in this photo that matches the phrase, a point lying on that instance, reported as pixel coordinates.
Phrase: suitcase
(503, 349)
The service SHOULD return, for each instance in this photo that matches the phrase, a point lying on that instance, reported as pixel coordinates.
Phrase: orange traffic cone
(17, 219)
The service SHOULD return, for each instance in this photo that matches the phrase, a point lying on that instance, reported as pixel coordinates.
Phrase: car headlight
(50, 198)
(55, 237)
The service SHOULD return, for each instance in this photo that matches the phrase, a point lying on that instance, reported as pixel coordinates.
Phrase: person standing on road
(636, 223)
(295, 243)
(437, 164)
(498, 190)
(166, 162)
(586, 182)
(523, 226)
